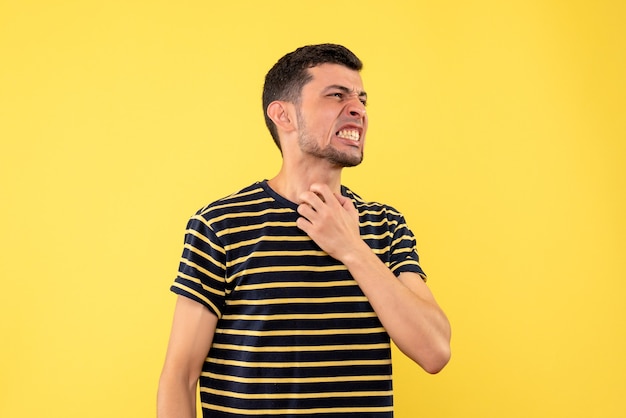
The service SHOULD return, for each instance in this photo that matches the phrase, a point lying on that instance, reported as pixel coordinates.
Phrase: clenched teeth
(351, 134)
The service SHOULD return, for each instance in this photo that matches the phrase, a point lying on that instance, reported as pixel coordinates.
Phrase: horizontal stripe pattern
(296, 336)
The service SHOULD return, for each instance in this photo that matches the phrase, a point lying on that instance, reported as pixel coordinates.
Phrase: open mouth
(350, 134)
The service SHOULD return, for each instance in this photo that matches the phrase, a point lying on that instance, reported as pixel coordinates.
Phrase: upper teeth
(351, 134)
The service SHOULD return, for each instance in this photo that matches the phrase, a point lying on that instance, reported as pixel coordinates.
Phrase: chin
(347, 162)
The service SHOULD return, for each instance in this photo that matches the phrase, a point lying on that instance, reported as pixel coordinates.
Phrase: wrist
(356, 254)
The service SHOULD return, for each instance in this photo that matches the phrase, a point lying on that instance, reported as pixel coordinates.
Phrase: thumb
(347, 204)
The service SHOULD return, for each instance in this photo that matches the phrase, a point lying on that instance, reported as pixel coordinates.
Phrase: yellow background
(498, 128)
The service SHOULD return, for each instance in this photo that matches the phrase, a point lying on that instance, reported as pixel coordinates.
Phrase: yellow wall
(497, 127)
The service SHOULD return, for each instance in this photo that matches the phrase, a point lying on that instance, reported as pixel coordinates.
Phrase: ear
(283, 115)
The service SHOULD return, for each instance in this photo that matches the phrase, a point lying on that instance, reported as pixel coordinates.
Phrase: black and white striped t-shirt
(296, 337)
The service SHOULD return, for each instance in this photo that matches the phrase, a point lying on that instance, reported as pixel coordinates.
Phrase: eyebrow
(346, 90)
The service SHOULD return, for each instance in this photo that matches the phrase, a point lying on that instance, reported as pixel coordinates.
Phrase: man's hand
(404, 305)
(330, 220)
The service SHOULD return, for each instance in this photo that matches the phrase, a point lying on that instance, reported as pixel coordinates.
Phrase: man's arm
(404, 305)
(192, 333)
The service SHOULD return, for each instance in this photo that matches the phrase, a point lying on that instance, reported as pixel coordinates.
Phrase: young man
(290, 289)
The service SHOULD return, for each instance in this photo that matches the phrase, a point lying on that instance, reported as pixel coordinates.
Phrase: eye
(337, 94)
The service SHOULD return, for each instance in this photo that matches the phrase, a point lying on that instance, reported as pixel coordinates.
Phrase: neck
(291, 181)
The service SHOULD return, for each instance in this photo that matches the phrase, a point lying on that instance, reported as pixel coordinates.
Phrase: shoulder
(247, 209)
(369, 208)
(253, 193)
(208, 215)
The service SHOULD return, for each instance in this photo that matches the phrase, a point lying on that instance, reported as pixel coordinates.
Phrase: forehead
(325, 75)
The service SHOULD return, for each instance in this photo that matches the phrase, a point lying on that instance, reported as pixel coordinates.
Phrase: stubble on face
(311, 145)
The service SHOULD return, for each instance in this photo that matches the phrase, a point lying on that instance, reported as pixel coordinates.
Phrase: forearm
(176, 398)
(410, 316)
(404, 305)
(190, 340)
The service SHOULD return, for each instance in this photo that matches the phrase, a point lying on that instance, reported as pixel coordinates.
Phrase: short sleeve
(404, 257)
(202, 269)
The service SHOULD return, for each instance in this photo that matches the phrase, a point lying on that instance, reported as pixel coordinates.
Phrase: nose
(356, 108)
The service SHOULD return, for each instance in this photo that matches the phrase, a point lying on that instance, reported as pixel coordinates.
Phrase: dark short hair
(285, 79)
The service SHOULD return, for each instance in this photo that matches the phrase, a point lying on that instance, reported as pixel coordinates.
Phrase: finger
(323, 192)
(343, 200)
(306, 211)
(311, 198)
(303, 224)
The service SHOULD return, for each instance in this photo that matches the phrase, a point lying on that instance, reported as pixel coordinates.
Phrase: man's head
(286, 78)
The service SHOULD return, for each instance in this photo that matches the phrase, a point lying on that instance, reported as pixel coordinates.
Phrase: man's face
(332, 121)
